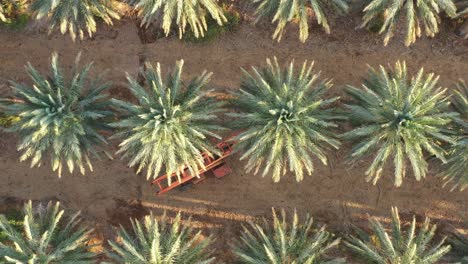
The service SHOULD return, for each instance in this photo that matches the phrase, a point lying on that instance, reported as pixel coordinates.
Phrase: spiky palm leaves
(400, 117)
(3, 12)
(75, 16)
(48, 237)
(162, 242)
(400, 246)
(170, 124)
(459, 243)
(286, 11)
(9, 8)
(4, 6)
(58, 117)
(417, 14)
(462, 6)
(456, 169)
(182, 12)
(283, 242)
(283, 120)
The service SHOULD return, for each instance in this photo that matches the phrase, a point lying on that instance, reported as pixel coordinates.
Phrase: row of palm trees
(80, 17)
(49, 235)
(284, 121)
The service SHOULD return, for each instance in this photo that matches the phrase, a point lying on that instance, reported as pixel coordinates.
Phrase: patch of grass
(215, 30)
(15, 218)
(17, 23)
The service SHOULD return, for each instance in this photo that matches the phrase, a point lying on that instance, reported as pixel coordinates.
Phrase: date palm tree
(400, 119)
(399, 246)
(283, 119)
(48, 236)
(456, 169)
(76, 17)
(160, 241)
(181, 12)
(299, 11)
(170, 124)
(418, 15)
(285, 242)
(59, 117)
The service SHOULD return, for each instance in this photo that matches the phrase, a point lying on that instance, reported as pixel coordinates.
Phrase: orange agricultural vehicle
(216, 164)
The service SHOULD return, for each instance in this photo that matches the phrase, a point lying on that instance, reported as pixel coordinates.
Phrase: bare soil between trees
(336, 194)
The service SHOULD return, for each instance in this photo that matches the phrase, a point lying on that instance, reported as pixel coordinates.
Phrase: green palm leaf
(75, 16)
(299, 11)
(48, 236)
(170, 124)
(59, 117)
(459, 243)
(285, 243)
(180, 12)
(456, 169)
(419, 15)
(400, 119)
(400, 246)
(160, 241)
(283, 120)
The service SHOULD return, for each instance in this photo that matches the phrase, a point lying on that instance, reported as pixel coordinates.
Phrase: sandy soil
(335, 194)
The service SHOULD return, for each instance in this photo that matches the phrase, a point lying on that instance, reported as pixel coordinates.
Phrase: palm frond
(283, 12)
(2, 13)
(412, 245)
(48, 236)
(418, 16)
(456, 169)
(399, 119)
(10, 8)
(462, 7)
(459, 243)
(170, 124)
(180, 12)
(285, 241)
(76, 17)
(160, 241)
(59, 117)
(284, 120)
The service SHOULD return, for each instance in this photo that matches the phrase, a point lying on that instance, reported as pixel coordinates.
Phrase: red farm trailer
(216, 164)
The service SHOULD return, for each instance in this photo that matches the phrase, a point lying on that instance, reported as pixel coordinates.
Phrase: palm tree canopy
(286, 11)
(285, 242)
(182, 12)
(59, 117)
(400, 246)
(170, 124)
(76, 17)
(416, 13)
(162, 241)
(49, 236)
(400, 117)
(283, 120)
